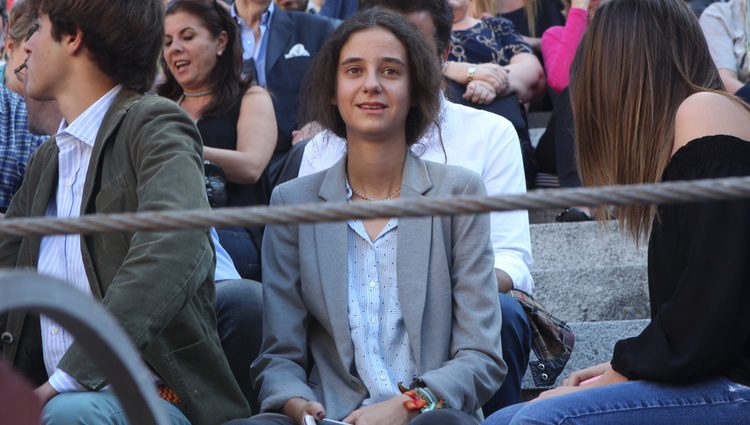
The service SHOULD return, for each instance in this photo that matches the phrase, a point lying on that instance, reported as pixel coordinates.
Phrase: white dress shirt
(383, 353)
(481, 141)
(60, 256)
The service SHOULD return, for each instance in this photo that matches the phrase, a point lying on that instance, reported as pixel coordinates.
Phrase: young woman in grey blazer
(382, 321)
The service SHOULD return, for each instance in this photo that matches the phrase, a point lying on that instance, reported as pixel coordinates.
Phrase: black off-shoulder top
(698, 276)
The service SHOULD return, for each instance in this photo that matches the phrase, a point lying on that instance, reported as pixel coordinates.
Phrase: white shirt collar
(86, 126)
(264, 19)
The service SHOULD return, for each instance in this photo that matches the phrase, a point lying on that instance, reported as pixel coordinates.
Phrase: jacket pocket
(110, 192)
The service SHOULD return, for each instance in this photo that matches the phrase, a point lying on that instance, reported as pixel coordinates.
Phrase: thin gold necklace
(392, 195)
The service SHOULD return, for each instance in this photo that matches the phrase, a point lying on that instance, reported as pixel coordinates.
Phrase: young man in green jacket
(116, 151)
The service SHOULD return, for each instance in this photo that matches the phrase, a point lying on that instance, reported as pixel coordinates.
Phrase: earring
(219, 52)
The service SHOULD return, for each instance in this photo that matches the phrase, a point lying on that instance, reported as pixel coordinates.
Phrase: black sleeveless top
(221, 132)
(698, 277)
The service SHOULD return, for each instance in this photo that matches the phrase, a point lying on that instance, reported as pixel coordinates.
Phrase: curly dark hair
(424, 74)
(123, 37)
(439, 10)
(226, 75)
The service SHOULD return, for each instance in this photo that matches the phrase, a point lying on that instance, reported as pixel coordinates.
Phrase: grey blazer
(446, 285)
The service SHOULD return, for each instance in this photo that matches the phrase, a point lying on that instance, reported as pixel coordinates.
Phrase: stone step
(593, 293)
(582, 245)
(594, 344)
(544, 216)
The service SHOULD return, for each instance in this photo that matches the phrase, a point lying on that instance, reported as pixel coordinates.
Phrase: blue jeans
(240, 246)
(515, 336)
(96, 408)
(714, 401)
(239, 314)
(239, 319)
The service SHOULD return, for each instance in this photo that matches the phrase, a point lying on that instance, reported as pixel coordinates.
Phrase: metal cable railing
(657, 193)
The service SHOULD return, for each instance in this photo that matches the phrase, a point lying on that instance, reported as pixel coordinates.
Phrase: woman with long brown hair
(649, 106)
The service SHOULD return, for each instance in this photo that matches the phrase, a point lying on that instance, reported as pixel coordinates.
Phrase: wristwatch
(470, 72)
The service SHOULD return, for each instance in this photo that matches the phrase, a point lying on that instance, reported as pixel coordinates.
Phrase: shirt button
(372, 284)
(373, 320)
(68, 182)
(382, 377)
(55, 330)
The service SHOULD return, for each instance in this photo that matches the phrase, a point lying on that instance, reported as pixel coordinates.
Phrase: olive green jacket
(158, 285)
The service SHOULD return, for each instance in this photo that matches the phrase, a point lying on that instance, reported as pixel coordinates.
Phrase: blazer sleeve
(476, 367)
(282, 367)
(162, 270)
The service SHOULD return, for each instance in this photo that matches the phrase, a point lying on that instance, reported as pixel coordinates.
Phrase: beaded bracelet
(421, 398)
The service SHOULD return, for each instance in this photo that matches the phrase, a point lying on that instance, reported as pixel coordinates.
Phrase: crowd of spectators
(136, 105)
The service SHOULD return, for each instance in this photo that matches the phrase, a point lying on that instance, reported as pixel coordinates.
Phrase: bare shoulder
(256, 100)
(255, 92)
(706, 114)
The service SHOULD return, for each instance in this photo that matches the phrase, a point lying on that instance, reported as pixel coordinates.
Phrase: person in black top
(202, 62)
(532, 17)
(649, 105)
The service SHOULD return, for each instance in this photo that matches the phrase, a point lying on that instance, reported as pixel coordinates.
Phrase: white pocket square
(296, 51)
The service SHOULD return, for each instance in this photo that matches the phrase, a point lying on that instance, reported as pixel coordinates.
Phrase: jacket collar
(281, 32)
(112, 119)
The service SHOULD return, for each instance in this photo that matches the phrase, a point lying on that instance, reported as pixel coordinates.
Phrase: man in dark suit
(278, 47)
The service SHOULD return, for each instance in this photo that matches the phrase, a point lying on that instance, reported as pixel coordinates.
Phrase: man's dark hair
(439, 10)
(225, 76)
(123, 37)
(424, 74)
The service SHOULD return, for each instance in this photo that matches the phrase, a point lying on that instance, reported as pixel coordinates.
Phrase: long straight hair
(483, 6)
(639, 60)
(530, 10)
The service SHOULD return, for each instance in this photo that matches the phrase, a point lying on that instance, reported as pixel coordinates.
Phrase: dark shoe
(570, 215)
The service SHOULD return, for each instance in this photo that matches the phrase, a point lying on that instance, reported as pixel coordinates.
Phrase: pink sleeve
(559, 46)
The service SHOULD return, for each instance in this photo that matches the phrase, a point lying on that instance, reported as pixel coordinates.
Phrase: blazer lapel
(45, 189)
(112, 119)
(414, 242)
(282, 28)
(332, 253)
(124, 100)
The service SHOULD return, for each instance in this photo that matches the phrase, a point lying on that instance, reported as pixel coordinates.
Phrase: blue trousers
(239, 319)
(239, 314)
(515, 336)
(96, 408)
(715, 401)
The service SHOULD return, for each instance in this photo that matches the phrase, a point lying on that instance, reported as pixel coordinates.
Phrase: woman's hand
(297, 408)
(579, 376)
(492, 74)
(479, 92)
(595, 376)
(389, 412)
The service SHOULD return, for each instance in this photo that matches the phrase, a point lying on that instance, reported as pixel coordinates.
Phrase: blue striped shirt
(17, 144)
(60, 256)
(383, 354)
(252, 49)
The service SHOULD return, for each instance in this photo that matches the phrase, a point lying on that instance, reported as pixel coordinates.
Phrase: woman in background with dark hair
(381, 321)
(202, 62)
(649, 106)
